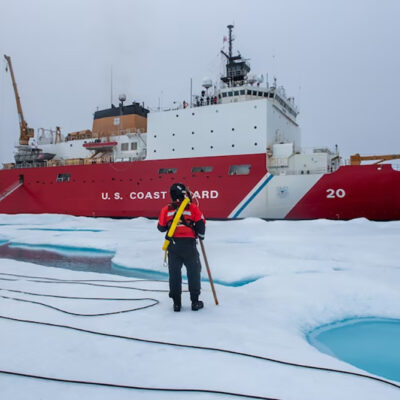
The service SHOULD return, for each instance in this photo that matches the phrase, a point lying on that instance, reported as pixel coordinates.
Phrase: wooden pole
(209, 272)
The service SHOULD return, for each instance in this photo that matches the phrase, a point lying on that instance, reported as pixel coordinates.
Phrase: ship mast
(236, 67)
(25, 132)
(230, 27)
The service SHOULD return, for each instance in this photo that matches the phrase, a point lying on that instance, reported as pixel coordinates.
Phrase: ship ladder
(10, 190)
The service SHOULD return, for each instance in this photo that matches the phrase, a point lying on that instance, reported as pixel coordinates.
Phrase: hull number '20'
(333, 194)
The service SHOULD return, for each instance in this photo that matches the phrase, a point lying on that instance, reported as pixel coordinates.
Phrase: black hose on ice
(91, 282)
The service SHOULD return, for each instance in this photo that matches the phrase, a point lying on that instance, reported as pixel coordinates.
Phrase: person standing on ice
(182, 247)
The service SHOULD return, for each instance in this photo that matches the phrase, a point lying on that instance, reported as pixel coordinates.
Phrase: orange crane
(25, 132)
(356, 158)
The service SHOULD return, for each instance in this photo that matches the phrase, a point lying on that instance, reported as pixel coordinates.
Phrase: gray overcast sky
(339, 58)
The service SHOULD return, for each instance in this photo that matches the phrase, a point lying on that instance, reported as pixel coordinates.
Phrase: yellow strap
(175, 222)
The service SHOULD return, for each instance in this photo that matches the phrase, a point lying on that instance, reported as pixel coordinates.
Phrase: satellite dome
(207, 83)
(122, 97)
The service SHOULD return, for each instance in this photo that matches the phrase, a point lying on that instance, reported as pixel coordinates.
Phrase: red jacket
(192, 216)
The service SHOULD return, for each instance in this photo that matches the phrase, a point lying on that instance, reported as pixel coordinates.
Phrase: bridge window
(134, 146)
(124, 146)
(167, 171)
(239, 169)
(202, 169)
(63, 177)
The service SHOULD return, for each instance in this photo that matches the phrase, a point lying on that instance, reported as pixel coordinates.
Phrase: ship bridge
(238, 85)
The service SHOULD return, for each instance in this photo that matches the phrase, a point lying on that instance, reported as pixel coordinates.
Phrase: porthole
(233, 145)
(177, 115)
(233, 129)
(192, 148)
(255, 144)
(212, 131)
(155, 136)
(211, 147)
(173, 134)
(192, 133)
(192, 113)
(255, 126)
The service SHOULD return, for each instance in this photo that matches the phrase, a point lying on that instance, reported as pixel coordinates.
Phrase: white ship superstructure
(239, 117)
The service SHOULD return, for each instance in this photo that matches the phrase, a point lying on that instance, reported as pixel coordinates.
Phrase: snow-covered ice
(301, 275)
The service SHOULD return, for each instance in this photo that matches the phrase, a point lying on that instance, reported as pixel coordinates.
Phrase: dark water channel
(90, 260)
(99, 263)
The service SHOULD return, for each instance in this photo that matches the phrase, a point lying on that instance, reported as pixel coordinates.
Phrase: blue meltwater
(371, 344)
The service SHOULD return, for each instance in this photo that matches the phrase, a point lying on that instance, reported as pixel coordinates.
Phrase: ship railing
(314, 150)
(139, 157)
(135, 131)
(29, 165)
(395, 166)
(201, 101)
(285, 171)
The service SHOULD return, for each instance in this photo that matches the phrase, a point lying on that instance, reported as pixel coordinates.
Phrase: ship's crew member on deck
(182, 248)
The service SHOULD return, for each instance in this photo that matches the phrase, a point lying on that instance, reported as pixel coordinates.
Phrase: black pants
(183, 251)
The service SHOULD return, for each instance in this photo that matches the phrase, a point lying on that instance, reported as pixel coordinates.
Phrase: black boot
(177, 304)
(197, 305)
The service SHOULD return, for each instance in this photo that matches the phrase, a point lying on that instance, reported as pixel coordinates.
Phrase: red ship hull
(133, 189)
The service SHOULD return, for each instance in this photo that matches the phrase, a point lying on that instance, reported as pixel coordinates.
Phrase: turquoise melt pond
(371, 344)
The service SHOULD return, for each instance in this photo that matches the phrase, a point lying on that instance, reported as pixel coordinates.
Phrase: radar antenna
(236, 67)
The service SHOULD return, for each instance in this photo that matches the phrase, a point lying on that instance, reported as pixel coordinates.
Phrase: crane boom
(25, 132)
(356, 158)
